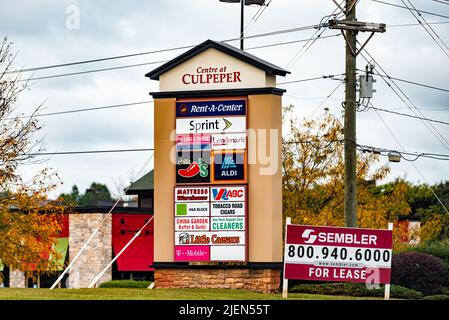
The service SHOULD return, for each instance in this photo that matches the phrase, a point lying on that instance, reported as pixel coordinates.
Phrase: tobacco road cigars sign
(337, 254)
(210, 223)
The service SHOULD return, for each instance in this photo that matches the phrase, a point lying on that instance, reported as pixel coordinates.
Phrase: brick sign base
(258, 280)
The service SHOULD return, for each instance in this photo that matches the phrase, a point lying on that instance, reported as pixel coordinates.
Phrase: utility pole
(349, 28)
(350, 122)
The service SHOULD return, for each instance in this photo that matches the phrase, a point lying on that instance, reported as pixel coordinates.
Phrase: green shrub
(355, 290)
(444, 291)
(439, 249)
(418, 271)
(437, 297)
(125, 284)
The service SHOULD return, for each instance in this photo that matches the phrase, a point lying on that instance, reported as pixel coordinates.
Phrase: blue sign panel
(229, 166)
(211, 108)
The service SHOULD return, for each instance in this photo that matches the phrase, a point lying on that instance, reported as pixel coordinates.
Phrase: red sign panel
(338, 254)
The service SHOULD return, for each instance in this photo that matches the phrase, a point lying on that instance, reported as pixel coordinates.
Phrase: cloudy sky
(108, 28)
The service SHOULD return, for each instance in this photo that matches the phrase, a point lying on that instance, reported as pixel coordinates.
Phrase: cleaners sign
(338, 254)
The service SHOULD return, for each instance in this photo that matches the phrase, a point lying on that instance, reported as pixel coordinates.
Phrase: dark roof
(145, 183)
(269, 68)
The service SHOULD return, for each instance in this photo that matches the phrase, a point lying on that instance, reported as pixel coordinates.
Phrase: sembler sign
(337, 254)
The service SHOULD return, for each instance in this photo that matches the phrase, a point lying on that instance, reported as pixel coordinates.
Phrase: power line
(294, 41)
(88, 109)
(331, 76)
(413, 24)
(134, 103)
(266, 34)
(421, 11)
(443, 2)
(441, 43)
(92, 71)
(86, 152)
(407, 115)
(405, 98)
(155, 62)
(413, 163)
(410, 82)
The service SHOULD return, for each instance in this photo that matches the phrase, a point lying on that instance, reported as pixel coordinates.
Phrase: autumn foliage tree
(313, 178)
(29, 222)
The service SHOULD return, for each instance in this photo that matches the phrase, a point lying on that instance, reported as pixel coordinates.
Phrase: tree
(93, 195)
(313, 178)
(29, 222)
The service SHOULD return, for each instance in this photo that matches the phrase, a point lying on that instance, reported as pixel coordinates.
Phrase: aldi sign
(229, 166)
(338, 254)
(211, 108)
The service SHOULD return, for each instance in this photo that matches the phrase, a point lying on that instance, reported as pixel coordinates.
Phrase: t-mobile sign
(337, 254)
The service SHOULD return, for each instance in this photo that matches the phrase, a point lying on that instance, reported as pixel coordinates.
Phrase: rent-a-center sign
(337, 254)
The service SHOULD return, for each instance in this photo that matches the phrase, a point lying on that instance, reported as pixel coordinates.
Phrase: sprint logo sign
(229, 166)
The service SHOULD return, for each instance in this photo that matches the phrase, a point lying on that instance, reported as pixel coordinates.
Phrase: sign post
(288, 221)
(387, 285)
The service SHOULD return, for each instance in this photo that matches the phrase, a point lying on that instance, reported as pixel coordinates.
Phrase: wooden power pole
(350, 123)
(349, 28)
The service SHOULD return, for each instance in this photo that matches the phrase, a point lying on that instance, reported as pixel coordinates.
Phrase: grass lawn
(154, 294)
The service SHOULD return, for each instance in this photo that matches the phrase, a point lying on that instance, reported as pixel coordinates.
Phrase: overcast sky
(109, 28)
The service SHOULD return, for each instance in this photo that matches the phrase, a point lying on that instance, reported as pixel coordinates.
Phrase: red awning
(139, 255)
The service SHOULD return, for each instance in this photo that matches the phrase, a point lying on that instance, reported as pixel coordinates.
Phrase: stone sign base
(259, 280)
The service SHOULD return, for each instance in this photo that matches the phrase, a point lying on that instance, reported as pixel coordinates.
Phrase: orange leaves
(313, 173)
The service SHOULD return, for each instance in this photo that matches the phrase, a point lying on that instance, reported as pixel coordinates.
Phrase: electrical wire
(413, 24)
(421, 11)
(86, 152)
(315, 37)
(406, 100)
(86, 109)
(266, 34)
(413, 163)
(407, 115)
(410, 82)
(331, 76)
(432, 33)
(443, 2)
(155, 62)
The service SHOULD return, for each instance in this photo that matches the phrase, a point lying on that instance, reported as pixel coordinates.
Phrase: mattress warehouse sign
(338, 255)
